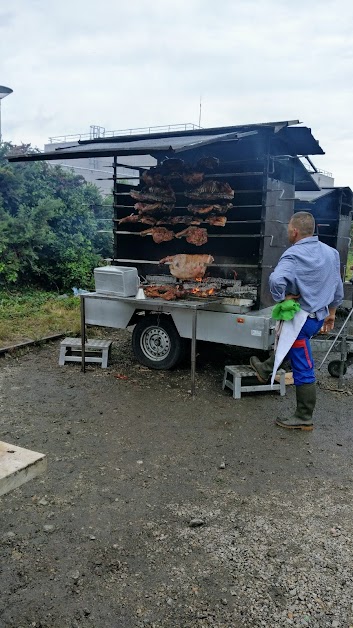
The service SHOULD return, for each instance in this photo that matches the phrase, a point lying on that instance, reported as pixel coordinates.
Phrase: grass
(34, 314)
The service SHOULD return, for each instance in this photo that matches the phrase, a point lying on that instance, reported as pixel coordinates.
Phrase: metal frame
(154, 305)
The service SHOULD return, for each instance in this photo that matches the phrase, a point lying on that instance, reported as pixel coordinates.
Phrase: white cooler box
(118, 280)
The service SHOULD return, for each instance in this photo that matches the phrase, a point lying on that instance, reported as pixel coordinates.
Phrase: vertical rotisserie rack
(249, 245)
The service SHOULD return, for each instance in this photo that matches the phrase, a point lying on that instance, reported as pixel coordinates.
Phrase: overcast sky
(119, 64)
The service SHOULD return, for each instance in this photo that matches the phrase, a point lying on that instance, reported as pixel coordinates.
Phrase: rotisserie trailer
(216, 200)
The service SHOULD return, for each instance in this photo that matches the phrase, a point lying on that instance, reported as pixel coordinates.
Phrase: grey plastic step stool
(234, 374)
(70, 351)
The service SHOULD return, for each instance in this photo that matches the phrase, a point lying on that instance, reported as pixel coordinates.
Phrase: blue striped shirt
(312, 269)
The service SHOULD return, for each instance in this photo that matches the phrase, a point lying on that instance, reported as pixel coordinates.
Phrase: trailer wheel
(334, 368)
(156, 342)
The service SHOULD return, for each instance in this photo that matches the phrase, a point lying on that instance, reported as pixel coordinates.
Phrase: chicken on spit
(153, 208)
(194, 235)
(159, 234)
(180, 220)
(164, 194)
(184, 266)
(148, 220)
(201, 210)
(211, 190)
(216, 221)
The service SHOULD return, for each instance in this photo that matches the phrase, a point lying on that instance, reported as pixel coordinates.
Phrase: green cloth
(286, 310)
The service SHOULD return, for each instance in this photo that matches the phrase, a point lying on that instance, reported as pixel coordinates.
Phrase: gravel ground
(160, 511)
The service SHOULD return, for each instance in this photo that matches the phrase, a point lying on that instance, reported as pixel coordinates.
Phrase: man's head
(301, 225)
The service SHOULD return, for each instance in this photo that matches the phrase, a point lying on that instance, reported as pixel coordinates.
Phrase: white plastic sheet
(288, 334)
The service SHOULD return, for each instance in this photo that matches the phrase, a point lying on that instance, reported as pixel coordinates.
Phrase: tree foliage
(49, 220)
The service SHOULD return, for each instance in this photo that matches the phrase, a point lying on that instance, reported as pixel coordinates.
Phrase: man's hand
(329, 321)
(291, 296)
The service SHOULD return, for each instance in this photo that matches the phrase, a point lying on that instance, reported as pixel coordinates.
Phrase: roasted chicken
(177, 220)
(152, 178)
(131, 218)
(207, 164)
(211, 190)
(192, 178)
(207, 209)
(172, 166)
(184, 266)
(147, 220)
(159, 234)
(168, 293)
(216, 221)
(194, 235)
(164, 194)
(153, 208)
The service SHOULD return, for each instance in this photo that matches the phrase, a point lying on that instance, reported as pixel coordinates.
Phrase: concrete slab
(18, 465)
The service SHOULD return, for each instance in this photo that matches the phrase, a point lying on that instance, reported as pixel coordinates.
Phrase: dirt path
(161, 511)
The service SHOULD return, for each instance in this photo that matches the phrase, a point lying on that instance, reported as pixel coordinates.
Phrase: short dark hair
(304, 222)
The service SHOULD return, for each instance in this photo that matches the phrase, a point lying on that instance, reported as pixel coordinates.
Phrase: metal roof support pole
(83, 334)
(115, 191)
(266, 168)
(193, 351)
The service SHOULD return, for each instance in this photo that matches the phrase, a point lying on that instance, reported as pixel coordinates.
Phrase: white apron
(286, 334)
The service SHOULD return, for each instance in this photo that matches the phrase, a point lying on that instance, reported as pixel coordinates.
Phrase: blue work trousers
(300, 354)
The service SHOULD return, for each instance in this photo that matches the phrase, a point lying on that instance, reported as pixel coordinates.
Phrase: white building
(99, 170)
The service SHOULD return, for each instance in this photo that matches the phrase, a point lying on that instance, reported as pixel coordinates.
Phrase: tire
(334, 368)
(156, 343)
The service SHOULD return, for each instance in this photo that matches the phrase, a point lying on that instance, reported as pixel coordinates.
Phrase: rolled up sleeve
(282, 276)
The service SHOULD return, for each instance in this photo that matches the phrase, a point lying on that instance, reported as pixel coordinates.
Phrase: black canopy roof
(294, 140)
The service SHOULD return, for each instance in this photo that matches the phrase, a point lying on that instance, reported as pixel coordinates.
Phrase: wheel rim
(155, 344)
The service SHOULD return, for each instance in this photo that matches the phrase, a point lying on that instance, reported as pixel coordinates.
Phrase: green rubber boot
(264, 369)
(303, 416)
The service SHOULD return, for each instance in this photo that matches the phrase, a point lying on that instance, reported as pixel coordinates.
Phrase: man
(308, 271)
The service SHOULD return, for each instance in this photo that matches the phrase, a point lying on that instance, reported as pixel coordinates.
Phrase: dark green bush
(49, 220)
